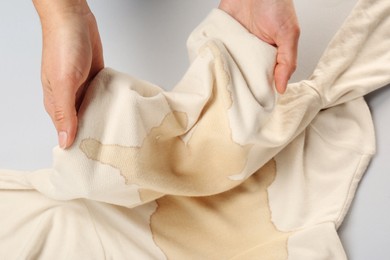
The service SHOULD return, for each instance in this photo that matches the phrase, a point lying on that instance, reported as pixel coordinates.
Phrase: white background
(147, 39)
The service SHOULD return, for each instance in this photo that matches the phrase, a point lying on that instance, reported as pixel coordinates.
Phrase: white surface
(129, 30)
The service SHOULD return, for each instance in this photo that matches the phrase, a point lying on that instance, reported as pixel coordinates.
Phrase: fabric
(220, 167)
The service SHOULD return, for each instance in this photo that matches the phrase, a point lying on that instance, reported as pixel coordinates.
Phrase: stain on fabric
(167, 165)
(232, 225)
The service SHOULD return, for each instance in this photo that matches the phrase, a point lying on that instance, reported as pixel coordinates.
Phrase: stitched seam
(350, 193)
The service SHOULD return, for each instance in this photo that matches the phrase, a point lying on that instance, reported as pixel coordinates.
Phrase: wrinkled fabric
(221, 167)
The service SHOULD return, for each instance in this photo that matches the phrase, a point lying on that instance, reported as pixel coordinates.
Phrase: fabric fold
(138, 142)
(176, 168)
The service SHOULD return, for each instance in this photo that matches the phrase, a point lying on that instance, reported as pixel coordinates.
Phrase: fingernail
(62, 139)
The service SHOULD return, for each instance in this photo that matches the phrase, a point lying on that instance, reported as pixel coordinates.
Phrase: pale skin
(72, 52)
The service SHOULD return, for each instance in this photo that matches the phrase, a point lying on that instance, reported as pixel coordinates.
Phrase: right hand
(275, 22)
(72, 55)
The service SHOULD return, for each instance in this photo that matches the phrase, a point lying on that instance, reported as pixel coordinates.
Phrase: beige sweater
(220, 167)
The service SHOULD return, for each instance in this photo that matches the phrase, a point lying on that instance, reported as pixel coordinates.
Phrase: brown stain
(232, 225)
(165, 164)
(148, 195)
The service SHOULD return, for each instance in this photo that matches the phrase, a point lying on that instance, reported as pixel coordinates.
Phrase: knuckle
(58, 115)
(293, 66)
(291, 30)
(296, 30)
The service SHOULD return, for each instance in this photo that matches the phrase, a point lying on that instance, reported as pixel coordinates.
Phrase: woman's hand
(275, 22)
(72, 51)
(72, 54)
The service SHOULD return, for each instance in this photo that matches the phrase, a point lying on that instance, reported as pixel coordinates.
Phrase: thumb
(286, 59)
(60, 105)
(285, 66)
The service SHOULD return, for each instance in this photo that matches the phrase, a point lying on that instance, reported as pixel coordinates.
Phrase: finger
(60, 104)
(282, 76)
(286, 60)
